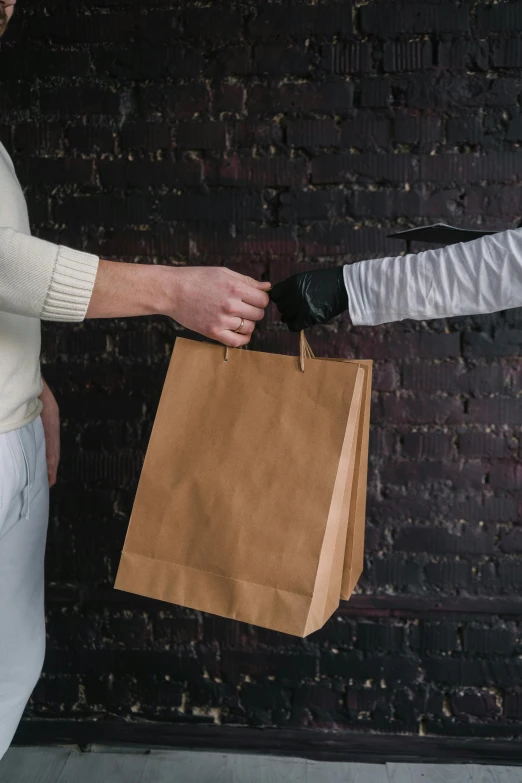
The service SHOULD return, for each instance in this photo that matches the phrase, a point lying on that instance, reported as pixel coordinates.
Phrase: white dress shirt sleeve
(482, 276)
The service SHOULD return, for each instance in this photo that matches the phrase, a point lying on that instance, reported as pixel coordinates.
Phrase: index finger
(253, 296)
(263, 285)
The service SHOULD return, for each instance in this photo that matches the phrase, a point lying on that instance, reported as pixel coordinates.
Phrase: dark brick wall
(268, 137)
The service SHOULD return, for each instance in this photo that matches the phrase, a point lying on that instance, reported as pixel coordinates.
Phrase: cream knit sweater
(38, 281)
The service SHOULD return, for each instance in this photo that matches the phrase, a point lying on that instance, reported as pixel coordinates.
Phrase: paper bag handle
(305, 352)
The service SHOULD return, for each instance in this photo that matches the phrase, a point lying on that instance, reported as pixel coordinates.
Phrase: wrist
(165, 291)
(157, 287)
(150, 289)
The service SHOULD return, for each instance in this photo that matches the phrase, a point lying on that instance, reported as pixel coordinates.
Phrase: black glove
(310, 298)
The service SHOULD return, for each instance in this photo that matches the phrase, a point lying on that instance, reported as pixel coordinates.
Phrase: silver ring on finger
(238, 330)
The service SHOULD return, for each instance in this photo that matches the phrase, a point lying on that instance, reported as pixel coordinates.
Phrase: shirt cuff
(357, 306)
(71, 286)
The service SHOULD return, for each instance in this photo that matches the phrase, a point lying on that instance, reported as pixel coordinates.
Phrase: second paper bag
(243, 494)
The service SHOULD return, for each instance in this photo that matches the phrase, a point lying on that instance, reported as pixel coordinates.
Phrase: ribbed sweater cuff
(71, 286)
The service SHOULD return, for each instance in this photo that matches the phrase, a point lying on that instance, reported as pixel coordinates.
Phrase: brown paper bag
(243, 505)
(357, 484)
(354, 553)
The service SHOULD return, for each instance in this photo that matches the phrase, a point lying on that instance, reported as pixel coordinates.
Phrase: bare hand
(213, 301)
(51, 424)
(209, 300)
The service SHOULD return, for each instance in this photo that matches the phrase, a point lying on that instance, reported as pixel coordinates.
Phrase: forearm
(47, 397)
(122, 290)
(51, 424)
(482, 276)
(42, 280)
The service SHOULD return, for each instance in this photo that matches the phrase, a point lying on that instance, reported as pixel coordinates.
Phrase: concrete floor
(111, 765)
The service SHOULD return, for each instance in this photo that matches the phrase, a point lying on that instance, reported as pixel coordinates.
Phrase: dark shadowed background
(270, 136)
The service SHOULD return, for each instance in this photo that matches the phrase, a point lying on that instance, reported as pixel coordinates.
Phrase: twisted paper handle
(305, 352)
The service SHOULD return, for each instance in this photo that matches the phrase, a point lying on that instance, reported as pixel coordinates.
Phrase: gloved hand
(310, 298)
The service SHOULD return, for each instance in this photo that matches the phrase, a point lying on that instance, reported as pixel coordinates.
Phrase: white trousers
(24, 508)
